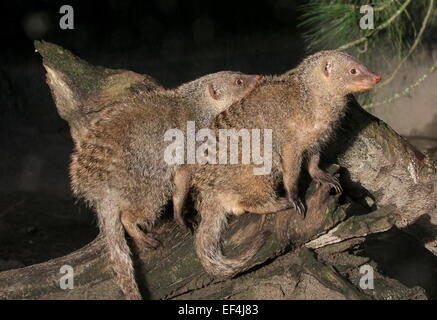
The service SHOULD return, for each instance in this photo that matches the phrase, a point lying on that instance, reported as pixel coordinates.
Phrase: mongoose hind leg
(267, 207)
(109, 215)
(142, 212)
(320, 176)
(142, 240)
(291, 162)
(182, 179)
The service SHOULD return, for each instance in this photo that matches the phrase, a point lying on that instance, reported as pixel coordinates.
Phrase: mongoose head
(338, 73)
(216, 92)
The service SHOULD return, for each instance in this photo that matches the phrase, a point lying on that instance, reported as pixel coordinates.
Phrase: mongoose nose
(377, 79)
(258, 77)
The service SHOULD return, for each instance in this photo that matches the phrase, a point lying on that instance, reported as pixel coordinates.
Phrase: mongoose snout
(356, 76)
(247, 81)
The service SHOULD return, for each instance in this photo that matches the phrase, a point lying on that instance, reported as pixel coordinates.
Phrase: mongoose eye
(353, 71)
(239, 82)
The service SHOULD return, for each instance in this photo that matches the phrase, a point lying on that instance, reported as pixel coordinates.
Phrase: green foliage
(329, 24)
(398, 28)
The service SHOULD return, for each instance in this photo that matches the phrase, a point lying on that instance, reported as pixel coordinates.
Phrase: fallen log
(169, 272)
(380, 164)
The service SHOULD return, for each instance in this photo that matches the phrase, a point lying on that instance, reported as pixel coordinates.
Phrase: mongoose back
(302, 109)
(118, 167)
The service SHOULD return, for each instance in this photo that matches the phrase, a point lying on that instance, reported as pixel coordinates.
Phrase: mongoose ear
(215, 92)
(328, 68)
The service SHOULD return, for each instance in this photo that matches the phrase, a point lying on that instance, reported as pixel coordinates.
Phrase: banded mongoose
(302, 110)
(118, 166)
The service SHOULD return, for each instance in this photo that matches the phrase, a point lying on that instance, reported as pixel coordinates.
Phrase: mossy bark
(81, 90)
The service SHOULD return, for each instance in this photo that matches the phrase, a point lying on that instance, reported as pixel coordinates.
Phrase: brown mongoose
(118, 167)
(302, 109)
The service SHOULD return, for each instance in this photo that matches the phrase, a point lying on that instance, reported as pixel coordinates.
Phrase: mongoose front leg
(182, 179)
(320, 176)
(291, 163)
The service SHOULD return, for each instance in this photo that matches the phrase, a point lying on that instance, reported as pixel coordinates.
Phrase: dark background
(171, 40)
(165, 29)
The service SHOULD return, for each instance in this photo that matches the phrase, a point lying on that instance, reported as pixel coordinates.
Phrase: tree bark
(173, 272)
(380, 164)
(380, 171)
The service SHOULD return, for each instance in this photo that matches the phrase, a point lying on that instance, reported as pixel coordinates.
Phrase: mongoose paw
(284, 204)
(330, 180)
(186, 224)
(180, 221)
(192, 225)
(150, 241)
(297, 205)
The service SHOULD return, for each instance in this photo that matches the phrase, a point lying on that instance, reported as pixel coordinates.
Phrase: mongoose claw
(151, 241)
(297, 205)
(190, 225)
(330, 180)
(284, 204)
(180, 221)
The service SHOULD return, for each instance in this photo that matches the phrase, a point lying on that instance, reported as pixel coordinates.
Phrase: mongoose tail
(209, 243)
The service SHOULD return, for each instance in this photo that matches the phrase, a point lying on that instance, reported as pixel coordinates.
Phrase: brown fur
(118, 166)
(302, 109)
